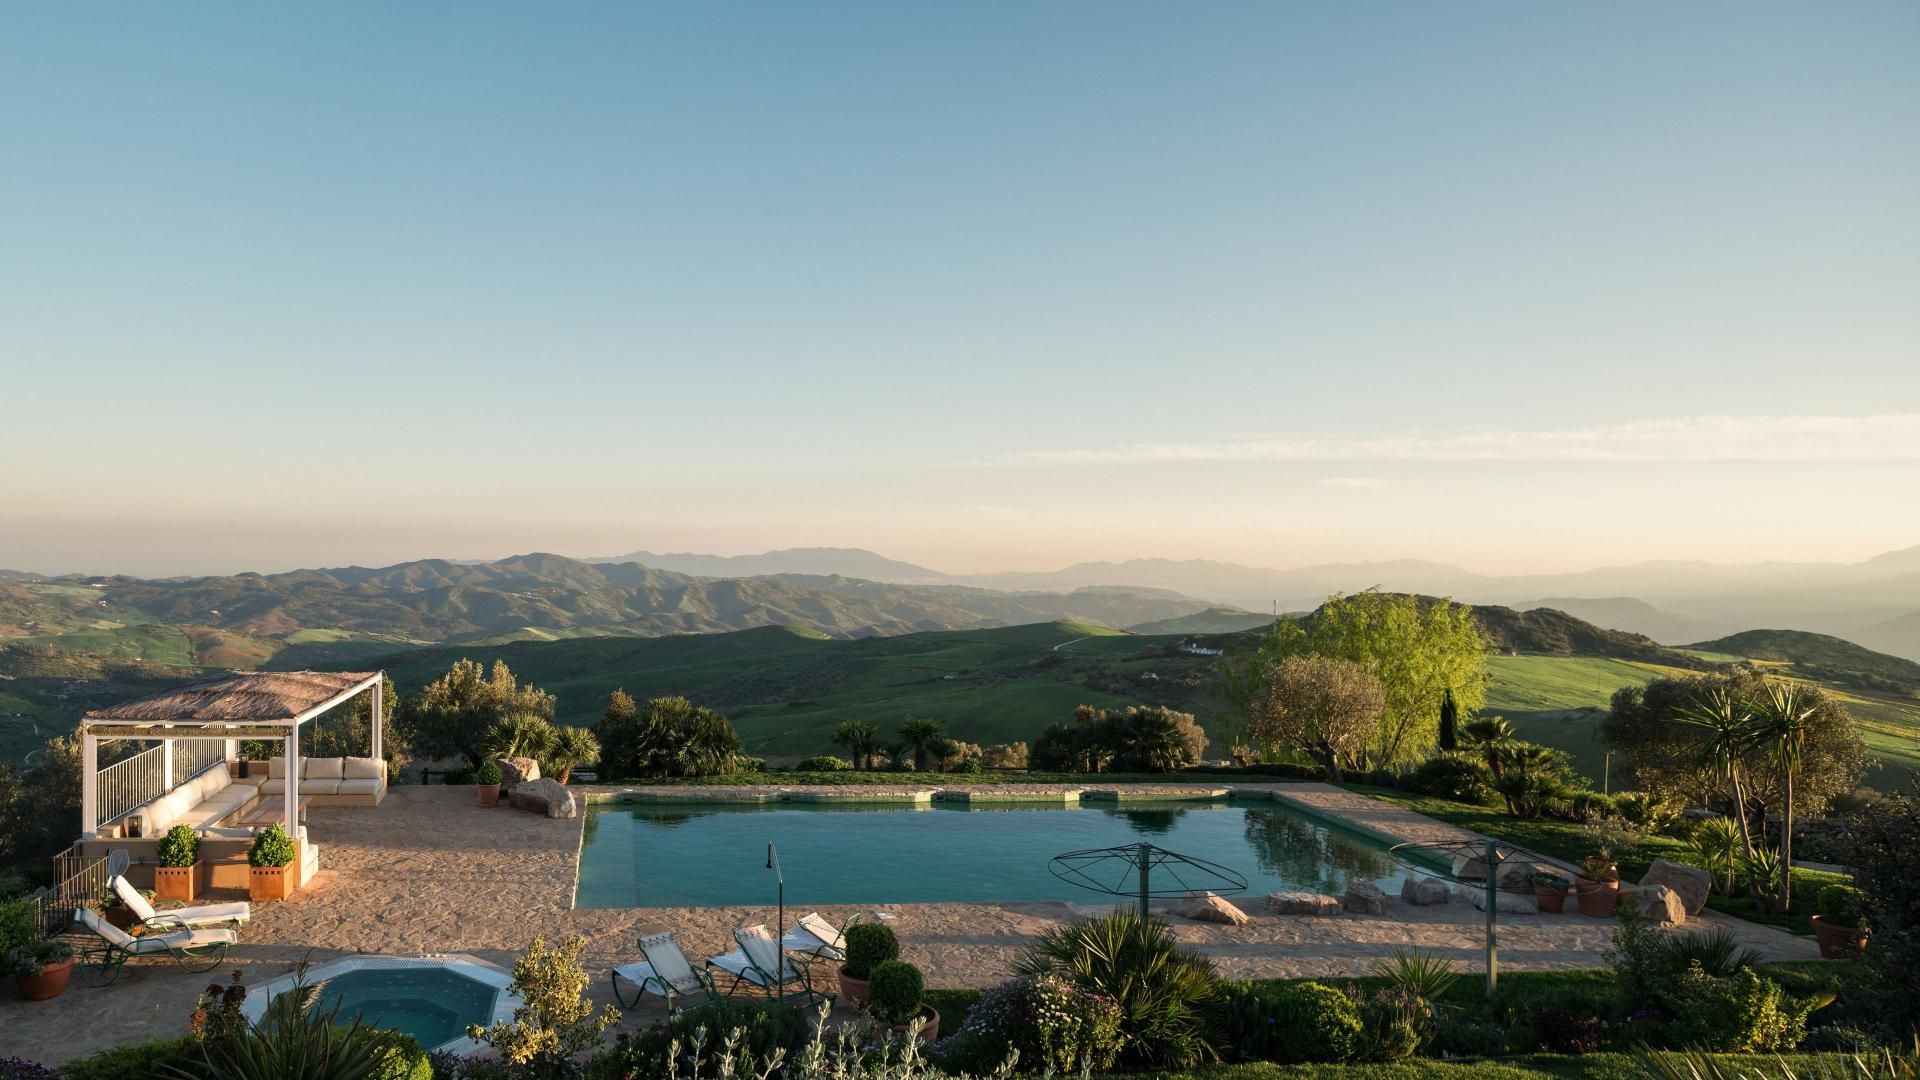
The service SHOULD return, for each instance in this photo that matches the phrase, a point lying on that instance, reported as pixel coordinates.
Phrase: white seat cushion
(274, 787)
(358, 787)
(364, 768)
(319, 787)
(322, 768)
(277, 768)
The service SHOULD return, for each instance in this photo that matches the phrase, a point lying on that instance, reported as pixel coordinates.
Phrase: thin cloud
(1358, 483)
(1886, 437)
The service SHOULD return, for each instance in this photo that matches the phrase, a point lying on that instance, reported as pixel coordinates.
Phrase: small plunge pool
(432, 998)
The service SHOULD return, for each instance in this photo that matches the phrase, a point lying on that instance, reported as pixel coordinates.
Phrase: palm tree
(1723, 742)
(860, 740)
(521, 735)
(1490, 735)
(1779, 726)
(920, 735)
(572, 747)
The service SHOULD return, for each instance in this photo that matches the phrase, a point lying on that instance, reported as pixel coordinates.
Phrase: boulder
(1691, 882)
(549, 797)
(1210, 908)
(1425, 891)
(1302, 903)
(1510, 902)
(1658, 904)
(515, 771)
(1513, 874)
(1364, 898)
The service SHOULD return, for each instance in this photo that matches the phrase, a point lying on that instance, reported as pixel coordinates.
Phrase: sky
(983, 286)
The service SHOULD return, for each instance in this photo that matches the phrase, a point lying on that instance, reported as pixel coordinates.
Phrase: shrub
(1462, 1034)
(1396, 1023)
(1459, 777)
(1586, 805)
(823, 763)
(399, 1054)
(556, 1020)
(487, 773)
(764, 1029)
(19, 924)
(21, 1069)
(273, 847)
(179, 848)
(1422, 973)
(1718, 952)
(1880, 847)
(1052, 1024)
(1164, 991)
(1742, 1014)
(1840, 905)
(868, 946)
(1291, 1023)
(1649, 810)
(893, 991)
(1715, 847)
(1562, 1030)
(154, 1059)
(1005, 756)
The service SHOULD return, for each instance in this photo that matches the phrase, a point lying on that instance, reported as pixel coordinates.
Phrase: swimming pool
(708, 856)
(432, 998)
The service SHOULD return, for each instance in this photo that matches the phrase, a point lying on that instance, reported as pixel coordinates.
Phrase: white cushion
(358, 787)
(277, 768)
(322, 768)
(365, 768)
(274, 787)
(247, 790)
(320, 787)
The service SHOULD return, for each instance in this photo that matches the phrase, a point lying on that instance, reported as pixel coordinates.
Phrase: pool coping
(505, 1001)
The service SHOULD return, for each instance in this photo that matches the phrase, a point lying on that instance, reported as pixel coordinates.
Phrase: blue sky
(985, 286)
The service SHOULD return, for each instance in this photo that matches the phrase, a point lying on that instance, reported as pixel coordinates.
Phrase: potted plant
(116, 912)
(868, 946)
(1841, 925)
(178, 875)
(40, 964)
(269, 865)
(1550, 892)
(894, 997)
(486, 781)
(1598, 890)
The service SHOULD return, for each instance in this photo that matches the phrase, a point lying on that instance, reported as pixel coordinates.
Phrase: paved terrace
(430, 871)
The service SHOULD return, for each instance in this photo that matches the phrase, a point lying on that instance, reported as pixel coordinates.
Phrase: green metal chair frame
(196, 951)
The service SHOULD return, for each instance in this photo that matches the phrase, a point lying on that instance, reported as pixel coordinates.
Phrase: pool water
(716, 856)
(431, 1004)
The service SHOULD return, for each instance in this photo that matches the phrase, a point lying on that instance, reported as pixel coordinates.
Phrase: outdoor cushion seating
(663, 970)
(234, 914)
(352, 781)
(201, 801)
(186, 947)
(815, 936)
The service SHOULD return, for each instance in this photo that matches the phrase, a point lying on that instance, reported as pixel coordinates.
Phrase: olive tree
(456, 713)
(1325, 706)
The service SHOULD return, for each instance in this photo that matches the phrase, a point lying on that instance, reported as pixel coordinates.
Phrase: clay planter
(269, 883)
(120, 915)
(929, 1028)
(176, 882)
(1552, 900)
(854, 990)
(49, 984)
(1597, 898)
(489, 794)
(1838, 942)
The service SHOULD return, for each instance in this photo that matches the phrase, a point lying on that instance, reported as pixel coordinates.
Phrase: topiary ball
(893, 992)
(179, 848)
(868, 946)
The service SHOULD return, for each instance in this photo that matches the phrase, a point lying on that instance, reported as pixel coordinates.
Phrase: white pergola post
(232, 752)
(377, 714)
(166, 764)
(292, 793)
(89, 784)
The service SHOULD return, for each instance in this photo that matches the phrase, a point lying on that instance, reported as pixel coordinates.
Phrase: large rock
(1658, 904)
(549, 797)
(1302, 903)
(1510, 902)
(515, 771)
(1425, 891)
(1364, 898)
(1691, 882)
(1513, 873)
(1211, 908)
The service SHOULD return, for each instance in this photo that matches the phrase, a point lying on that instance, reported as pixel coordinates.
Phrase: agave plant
(1164, 991)
(1762, 869)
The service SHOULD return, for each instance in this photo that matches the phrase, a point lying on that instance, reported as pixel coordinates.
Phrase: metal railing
(78, 879)
(125, 786)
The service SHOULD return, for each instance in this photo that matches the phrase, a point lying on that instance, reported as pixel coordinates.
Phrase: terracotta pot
(929, 1028)
(489, 794)
(1597, 898)
(854, 990)
(176, 882)
(1552, 900)
(1838, 942)
(269, 883)
(119, 915)
(51, 981)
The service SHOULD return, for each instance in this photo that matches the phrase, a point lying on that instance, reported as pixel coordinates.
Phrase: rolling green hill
(1820, 656)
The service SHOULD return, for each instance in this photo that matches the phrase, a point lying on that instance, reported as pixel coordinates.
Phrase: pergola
(238, 705)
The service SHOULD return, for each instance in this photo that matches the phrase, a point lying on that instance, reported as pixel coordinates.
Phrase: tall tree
(668, 737)
(454, 714)
(1327, 707)
(1419, 650)
(860, 739)
(1449, 723)
(1778, 728)
(1722, 737)
(920, 735)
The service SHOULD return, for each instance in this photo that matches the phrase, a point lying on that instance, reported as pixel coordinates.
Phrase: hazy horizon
(992, 288)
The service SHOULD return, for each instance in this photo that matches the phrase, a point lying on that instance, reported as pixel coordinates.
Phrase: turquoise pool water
(716, 856)
(433, 1005)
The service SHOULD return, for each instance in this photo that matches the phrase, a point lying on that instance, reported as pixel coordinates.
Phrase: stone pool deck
(430, 871)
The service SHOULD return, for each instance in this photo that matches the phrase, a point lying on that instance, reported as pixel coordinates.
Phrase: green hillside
(1214, 620)
(1823, 657)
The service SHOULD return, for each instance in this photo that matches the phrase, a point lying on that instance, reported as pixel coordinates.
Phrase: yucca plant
(294, 1039)
(1762, 870)
(1165, 992)
(1717, 951)
(1716, 848)
(1423, 973)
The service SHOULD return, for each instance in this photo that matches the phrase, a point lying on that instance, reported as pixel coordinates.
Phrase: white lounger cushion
(146, 944)
(238, 911)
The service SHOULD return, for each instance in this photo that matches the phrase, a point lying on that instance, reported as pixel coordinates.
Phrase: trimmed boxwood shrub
(868, 946)
(151, 1060)
(273, 847)
(1291, 1023)
(1458, 777)
(893, 991)
(487, 773)
(179, 848)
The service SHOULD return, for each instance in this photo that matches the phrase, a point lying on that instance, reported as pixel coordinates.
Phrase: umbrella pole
(1493, 897)
(1146, 854)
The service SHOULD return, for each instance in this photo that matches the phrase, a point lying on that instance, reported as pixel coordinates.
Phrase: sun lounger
(815, 936)
(233, 915)
(664, 970)
(759, 963)
(187, 948)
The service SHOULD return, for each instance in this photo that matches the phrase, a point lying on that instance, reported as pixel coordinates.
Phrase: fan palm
(1164, 991)
(521, 735)
(1489, 735)
(1721, 745)
(1779, 727)
(860, 739)
(572, 747)
(920, 735)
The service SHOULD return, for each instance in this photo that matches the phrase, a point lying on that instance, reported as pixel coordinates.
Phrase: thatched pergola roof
(241, 697)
